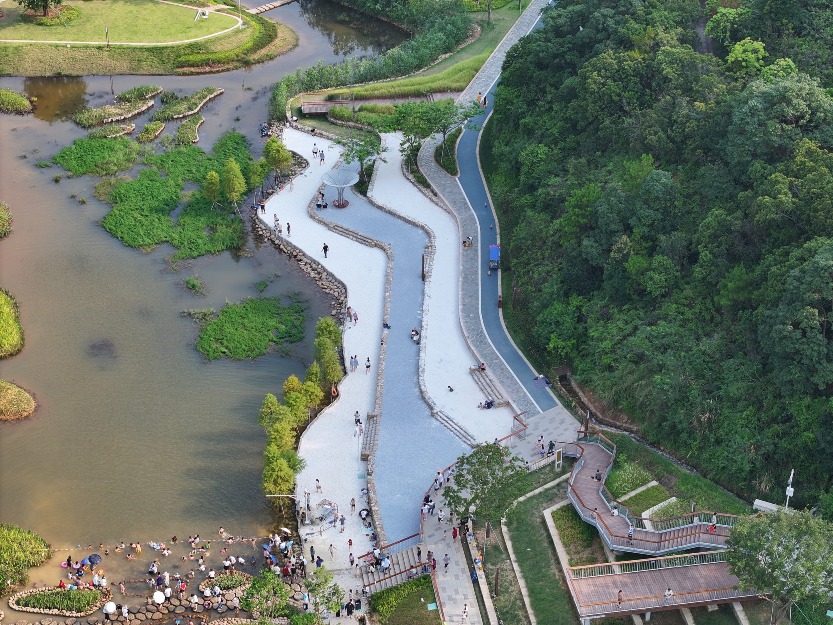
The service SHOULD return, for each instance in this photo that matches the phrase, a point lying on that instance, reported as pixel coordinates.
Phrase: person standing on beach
(325, 249)
(367, 366)
(288, 229)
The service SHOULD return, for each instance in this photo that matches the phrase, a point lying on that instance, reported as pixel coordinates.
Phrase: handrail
(648, 564)
(732, 590)
(387, 547)
(517, 432)
(437, 596)
(397, 574)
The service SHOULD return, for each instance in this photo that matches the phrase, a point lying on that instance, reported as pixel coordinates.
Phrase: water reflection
(58, 98)
(339, 24)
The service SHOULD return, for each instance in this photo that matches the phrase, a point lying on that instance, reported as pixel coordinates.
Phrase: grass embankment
(67, 600)
(455, 78)
(11, 332)
(406, 604)
(133, 21)
(248, 329)
(14, 102)
(261, 40)
(20, 550)
(538, 562)
(142, 207)
(5, 220)
(15, 403)
(636, 465)
(110, 131)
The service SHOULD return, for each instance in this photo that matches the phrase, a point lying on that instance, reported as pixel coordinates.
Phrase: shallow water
(136, 437)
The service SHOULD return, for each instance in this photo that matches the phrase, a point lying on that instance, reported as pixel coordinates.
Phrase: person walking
(465, 616)
(321, 157)
(288, 229)
(667, 598)
(367, 366)
(446, 562)
(619, 596)
(325, 249)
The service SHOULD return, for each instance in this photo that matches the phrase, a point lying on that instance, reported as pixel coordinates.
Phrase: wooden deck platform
(644, 591)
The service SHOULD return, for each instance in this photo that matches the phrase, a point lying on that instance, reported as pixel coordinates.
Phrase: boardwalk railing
(652, 564)
(394, 547)
(655, 535)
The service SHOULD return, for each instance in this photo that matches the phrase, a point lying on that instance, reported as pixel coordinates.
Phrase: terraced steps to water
(490, 388)
(404, 565)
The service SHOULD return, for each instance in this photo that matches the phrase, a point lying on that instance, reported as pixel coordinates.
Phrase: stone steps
(371, 435)
(488, 386)
(400, 563)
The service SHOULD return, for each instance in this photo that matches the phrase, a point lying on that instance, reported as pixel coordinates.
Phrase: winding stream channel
(136, 437)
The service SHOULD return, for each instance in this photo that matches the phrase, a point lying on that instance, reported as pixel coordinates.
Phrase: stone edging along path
(106, 595)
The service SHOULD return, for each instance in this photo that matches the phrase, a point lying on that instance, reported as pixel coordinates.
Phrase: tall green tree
(786, 556)
(232, 181)
(361, 149)
(325, 593)
(277, 155)
(267, 596)
(486, 481)
(211, 187)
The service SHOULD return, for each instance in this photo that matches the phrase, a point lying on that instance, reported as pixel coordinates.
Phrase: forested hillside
(666, 213)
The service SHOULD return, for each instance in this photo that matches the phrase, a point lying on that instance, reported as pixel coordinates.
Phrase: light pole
(790, 489)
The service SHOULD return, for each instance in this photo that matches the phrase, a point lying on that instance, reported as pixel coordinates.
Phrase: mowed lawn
(130, 21)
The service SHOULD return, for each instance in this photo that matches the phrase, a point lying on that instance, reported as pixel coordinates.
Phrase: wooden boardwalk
(268, 7)
(644, 591)
(595, 505)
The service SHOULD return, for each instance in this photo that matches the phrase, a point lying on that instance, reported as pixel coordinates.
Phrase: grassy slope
(11, 332)
(49, 59)
(131, 22)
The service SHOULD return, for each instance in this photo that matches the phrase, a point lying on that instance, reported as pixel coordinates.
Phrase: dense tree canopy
(784, 555)
(667, 224)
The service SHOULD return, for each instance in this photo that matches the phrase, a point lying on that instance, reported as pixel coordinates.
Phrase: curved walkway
(467, 197)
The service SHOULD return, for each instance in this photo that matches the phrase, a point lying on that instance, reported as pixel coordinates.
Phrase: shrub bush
(15, 403)
(194, 284)
(150, 132)
(87, 118)
(574, 533)
(20, 550)
(247, 329)
(101, 157)
(187, 133)
(439, 28)
(230, 581)
(385, 601)
(142, 92)
(13, 102)
(187, 105)
(264, 33)
(626, 476)
(11, 332)
(446, 152)
(5, 220)
(341, 113)
(80, 600)
(110, 131)
(63, 15)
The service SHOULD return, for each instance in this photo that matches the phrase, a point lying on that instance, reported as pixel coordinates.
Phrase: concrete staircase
(401, 563)
(488, 386)
(371, 435)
